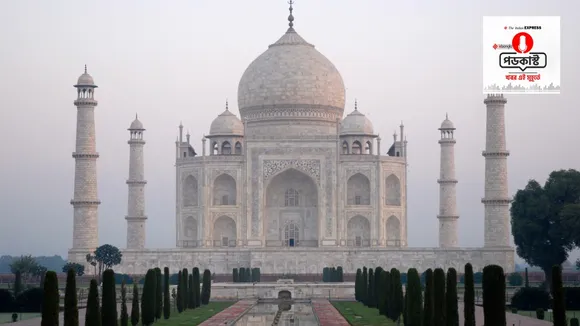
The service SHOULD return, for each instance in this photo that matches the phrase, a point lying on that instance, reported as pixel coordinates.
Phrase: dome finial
(85, 68)
(355, 104)
(446, 116)
(291, 17)
(227, 109)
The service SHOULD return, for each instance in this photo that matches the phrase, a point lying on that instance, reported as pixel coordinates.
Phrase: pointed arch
(224, 190)
(190, 226)
(356, 147)
(224, 232)
(368, 148)
(392, 191)
(345, 149)
(393, 231)
(358, 231)
(190, 191)
(238, 148)
(214, 148)
(226, 148)
(358, 190)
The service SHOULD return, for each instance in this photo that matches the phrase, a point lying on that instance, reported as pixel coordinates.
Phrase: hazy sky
(174, 61)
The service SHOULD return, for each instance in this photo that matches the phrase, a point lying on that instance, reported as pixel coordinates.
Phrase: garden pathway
(512, 319)
(327, 314)
(230, 313)
(36, 321)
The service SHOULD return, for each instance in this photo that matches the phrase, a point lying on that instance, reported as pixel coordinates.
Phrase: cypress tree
(428, 299)
(414, 299)
(526, 280)
(371, 289)
(190, 292)
(387, 293)
(196, 287)
(17, 283)
(493, 295)
(235, 275)
(340, 274)
(378, 294)
(71, 309)
(158, 294)
(166, 297)
(148, 301)
(206, 289)
(109, 299)
(469, 297)
(50, 300)
(439, 317)
(559, 305)
(179, 289)
(364, 286)
(135, 305)
(184, 290)
(396, 298)
(405, 318)
(451, 304)
(357, 285)
(124, 313)
(93, 311)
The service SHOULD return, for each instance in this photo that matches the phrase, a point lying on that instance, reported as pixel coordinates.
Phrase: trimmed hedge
(206, 287)
(51, 300)
(558, 305)
(7, 301)
(530, 299)
(469, 297)
(494, 295)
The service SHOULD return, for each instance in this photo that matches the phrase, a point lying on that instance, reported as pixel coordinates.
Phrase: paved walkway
(327, 314)
(36, 321)
(512, 319)
(230, 313)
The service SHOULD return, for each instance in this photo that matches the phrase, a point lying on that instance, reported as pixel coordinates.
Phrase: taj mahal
(292, 185)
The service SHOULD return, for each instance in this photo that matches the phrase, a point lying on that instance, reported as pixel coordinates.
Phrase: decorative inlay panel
(310, 167)
(364, 171)
(217, 172)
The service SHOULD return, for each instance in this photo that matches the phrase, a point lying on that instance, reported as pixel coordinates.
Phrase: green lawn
(7, 317)
(193, 317)
(358, 314)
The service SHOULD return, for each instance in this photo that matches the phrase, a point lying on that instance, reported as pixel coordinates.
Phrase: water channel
(281, 313)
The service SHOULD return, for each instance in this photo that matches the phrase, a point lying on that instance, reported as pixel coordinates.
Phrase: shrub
(109, 299)
(17, 283)
(514, 310)
(478, 278)
(559, 314)
(124, 313)
(7, 301)
(14, 317)
(572, 298)
(179, 292)
(51, 300)
(429, 297)
(158, 294)
(364, 287)
(469, 297)
(71, 309)
(148, 302)
(135, 306)
(386, 281)
(377, 293)
(493, 295)
(515, 279)
(93, 311)
(166, 299)
(30, 300)
(451, 305)
(530, 299)
(184, 290)
(256, 274)
(540, 313)
(190, 302)
(439, 297)
(370, 301)
(196, 287)
(235, 275)
(357, 285)
(526, 279)
(414, 299)
(339, 274)
(574, 322)
(396, 302)
(120, 278)
(206, 289)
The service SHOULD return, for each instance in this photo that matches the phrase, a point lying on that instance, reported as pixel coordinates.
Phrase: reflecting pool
(286, 313)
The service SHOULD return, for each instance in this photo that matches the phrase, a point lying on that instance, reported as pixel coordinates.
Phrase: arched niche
(224, 232)
(392, 191)
(224, 190)
(393, 231)
(190, 193)
(358, 231)
(358, 190)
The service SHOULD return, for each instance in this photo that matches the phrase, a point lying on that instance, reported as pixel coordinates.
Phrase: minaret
(85, 201)
(447, 195)
(496, 200)
(136, 207)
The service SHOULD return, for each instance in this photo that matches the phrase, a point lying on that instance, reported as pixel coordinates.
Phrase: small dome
(85, 79)
(226, 124)
(447, 124)
(356, 123)
(136, 124)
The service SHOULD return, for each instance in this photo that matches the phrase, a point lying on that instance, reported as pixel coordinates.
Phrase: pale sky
(173, 61)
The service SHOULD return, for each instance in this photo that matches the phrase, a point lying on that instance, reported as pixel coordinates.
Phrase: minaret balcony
(496, 201)
(498, 153)
(442, 181)
(85, 155)
(79, 203)
(85, 102)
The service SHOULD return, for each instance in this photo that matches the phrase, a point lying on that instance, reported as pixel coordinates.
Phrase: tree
(396, 301)
(158, 294)
(50, 300)
(26, 265)
(40, 271)
(493, 295)
(469, 297)
(235, 275)
(206, 289)
(93, 311)
(148, 302)
(357, 285)
(166, 298)
(370, 301)
(78, 268)
(364, 287)
(17, 283)
(377, 293)
(428, 317)
(93, 262)
(135, 305)
(196, 287)
(124, 313)
(414, 299)
(515, 279)
(178, 298)
(545, 220)
(190, 292)
(340, 274)
(526, 279)
(184, 288)
(386, 281)
(107, 256)
(439, 317)
(451, 304)
(109, 299)
(71, 309)
(559, 306)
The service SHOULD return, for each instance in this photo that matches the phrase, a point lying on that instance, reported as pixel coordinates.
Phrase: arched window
(291, 235)
(226, 148)
(238, 148)
(368, 148)
(214, 148)
(356, 147)
(345, 148)
(291, 198)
